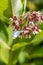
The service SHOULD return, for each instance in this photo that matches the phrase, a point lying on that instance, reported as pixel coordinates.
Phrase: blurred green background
(35, 5)
(19, 51)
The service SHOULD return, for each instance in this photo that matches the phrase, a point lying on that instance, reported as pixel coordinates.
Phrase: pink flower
(20, 21)
(15, 18)
(31, 19)
(17, 27)
(30, 24)
(33, 14)
(41, 17)
(13, 24)
(38, 18)
(24, 28)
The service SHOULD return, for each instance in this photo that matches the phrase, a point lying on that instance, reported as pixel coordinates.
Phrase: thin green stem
(11, 54)
(10, 58)
(25, 2)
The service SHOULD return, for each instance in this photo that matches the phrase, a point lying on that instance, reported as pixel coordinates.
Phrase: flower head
(28, 24)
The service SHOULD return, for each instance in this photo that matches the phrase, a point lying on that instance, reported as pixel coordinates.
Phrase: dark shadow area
(3, 31)
(2, 63)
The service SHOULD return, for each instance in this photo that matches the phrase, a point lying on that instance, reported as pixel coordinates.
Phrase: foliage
(18, 51)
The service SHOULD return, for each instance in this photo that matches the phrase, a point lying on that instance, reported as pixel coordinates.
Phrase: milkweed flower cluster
(27, 24)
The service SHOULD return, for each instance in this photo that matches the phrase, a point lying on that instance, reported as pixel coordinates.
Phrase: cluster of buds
(27, 24)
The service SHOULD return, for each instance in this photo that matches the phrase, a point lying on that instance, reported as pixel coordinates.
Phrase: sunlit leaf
(19, 43)
(18, 7)
(5, 8)
(38, 38)
(9, 30)
(4, 54)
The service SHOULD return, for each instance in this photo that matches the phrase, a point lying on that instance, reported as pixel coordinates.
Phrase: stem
(11, 53)
(31, 50)
(10, 58)
(25, 5)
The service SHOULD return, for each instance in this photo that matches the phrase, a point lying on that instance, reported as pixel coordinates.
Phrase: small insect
(16, 34)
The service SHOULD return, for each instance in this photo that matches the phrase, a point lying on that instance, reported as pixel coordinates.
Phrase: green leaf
(16, 55)
(19, 43)
(9, 30)
(37, 39)
(32, 55)
(13, 57)
(33, 52)
(15, 7)
(18, 7)
(2, 63)
(41, 26)
(5, 8)
(34, 62)
(38, 52)
(3, 32)
(4, 54)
